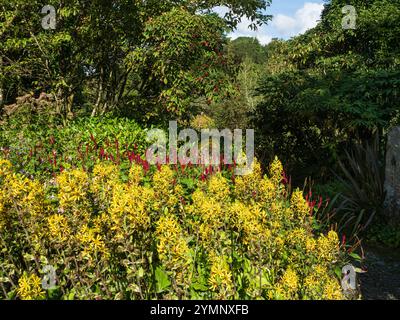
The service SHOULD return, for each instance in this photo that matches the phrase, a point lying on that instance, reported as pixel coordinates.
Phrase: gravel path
(382, 281)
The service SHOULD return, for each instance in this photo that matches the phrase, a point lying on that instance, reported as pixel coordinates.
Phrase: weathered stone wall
(392, 176)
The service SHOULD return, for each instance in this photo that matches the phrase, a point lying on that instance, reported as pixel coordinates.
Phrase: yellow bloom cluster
(5, 170)
(92, 243)
(248, 219)
(318, 284)
(167, 193)
(19, 196)
(299, 205)
(173, 249)
(30, 287)
(108, 231)
(129, 208)
(135, 174)
(105, 177)
(220, 277)
(5, 167)
(218, 188)
(59, 229)
(209, 208)
(246, 187)
(288, 286)
(328, 247)
(28, 194)
(276, 171)
(73, 190)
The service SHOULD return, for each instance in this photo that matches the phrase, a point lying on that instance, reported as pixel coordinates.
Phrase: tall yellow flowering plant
(144, 234)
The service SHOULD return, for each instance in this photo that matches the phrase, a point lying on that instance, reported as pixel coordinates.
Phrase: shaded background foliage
(331, 88)
(104, 53)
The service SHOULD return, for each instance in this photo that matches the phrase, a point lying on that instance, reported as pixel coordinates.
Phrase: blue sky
(291, 17)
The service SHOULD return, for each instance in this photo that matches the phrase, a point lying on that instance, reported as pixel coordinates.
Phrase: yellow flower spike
(27, 195)
(3, 203)
(247, 187)
(276, 171)
(328, 247)
(105, 171)
(333, 239)
(105, 178)
(279, 212)
(267, 191)
(333, 290)
(163, 179)
(91, 243)
(73, 187)
(220, 280)
(130, 203)
(218, 188)
(299, 205)
(135, 174)
(248, 219)
(173, 249)
(5, 167)
(164, 188)
(310, 245)
(297, 237)
(289, 283)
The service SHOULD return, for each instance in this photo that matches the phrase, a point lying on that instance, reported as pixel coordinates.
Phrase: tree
(331, 87)
(245, 48)
(87, 54)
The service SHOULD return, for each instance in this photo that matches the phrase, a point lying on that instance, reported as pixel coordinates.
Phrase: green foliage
(385, 234)
(245, 48)
(41, 150)
(84, 60)
(233, 112)
(176, 63)
(329, 88)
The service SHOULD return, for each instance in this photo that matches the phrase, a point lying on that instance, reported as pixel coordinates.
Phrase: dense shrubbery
(160, 234)
(42, 149)
(330, 88)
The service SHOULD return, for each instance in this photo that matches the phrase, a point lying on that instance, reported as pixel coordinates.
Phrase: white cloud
(305, 18)
(243, 30)
(282, 26)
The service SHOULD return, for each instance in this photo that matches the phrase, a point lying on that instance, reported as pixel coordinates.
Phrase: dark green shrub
(363, 179)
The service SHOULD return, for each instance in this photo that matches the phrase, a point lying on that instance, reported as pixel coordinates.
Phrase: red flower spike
(94, 141)
(320, 203)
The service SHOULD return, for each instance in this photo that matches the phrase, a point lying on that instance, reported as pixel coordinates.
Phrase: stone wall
(392, 176)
